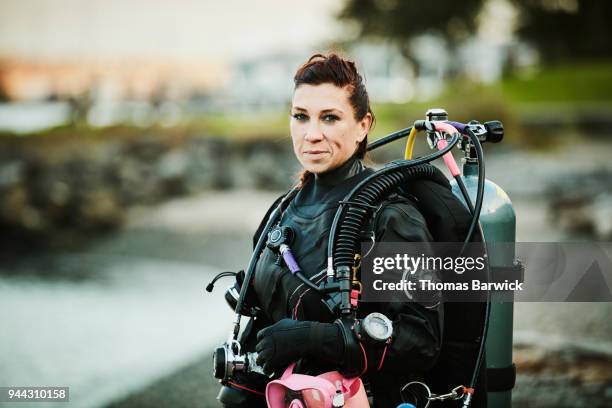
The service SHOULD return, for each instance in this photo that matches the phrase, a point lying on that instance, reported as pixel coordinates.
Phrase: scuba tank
(498, 222)
(497, 227)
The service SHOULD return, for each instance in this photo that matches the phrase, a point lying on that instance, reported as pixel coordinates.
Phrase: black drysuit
(417, 328)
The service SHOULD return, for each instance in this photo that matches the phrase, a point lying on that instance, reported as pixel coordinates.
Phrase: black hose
(211, 285)
(308, 282)
(365, 195)
(475, 223)
(389, 138)
(479, 190)
(465, 195)
(485, 326)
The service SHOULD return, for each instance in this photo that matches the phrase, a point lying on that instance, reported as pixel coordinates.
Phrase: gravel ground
(191, 386)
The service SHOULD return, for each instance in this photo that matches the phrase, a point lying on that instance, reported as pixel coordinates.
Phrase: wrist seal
(352, 362)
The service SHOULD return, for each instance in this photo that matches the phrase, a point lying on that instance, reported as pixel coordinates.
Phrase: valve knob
(495, 131)
(436, 114)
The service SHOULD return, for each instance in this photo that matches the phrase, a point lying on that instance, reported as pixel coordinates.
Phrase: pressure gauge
(376, 327)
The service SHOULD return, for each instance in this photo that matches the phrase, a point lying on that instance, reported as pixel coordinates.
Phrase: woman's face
(324, 130)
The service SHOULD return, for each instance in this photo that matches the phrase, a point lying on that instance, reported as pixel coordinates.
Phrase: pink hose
(448, 157)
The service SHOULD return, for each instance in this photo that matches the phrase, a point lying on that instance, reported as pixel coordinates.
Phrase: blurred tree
(566, 29)
(402, 21)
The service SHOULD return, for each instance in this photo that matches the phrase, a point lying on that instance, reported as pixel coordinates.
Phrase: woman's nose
(313, 133)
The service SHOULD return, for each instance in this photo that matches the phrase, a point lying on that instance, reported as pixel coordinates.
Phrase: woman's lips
(315, 154)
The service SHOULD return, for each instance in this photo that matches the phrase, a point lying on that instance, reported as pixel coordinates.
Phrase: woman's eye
(299, 116)
(330, 118)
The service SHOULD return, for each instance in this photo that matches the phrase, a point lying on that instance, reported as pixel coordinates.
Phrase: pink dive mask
(327, 390)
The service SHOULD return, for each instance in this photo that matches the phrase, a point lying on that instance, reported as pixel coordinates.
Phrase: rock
(148, 148)
(173, 165)
(100, 210)
(209, 164)
(264, 164)
(137, 182)
(583, 203)
(11, 174)
(172, 172)
(601, 212)
(562, 375)
(59, 195)
(13, 204)
(31, 219)
(269, 169)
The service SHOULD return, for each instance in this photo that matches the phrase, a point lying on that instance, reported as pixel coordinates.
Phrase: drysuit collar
(323, 187)
(346, 170)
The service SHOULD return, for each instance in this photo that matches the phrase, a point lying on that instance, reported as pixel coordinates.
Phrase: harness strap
(501, 379)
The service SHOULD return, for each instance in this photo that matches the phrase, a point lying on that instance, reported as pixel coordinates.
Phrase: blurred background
(142, 141)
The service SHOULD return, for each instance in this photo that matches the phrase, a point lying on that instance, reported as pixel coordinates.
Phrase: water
(137, 321)
(27, 117)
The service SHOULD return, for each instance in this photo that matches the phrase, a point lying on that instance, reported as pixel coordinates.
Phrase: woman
(330, 121)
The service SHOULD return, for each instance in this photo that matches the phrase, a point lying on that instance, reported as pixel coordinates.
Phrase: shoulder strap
(447, 217)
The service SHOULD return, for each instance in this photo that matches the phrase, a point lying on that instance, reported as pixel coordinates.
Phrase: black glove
(289, 340)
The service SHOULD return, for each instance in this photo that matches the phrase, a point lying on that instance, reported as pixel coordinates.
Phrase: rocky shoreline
(57, 192)
(53, 194)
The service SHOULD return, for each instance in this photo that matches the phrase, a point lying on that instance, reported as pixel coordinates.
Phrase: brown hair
(331, 68)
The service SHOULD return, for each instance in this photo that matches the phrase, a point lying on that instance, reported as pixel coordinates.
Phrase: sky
(177, 29)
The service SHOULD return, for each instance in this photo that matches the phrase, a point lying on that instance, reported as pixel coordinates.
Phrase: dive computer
(375, 328)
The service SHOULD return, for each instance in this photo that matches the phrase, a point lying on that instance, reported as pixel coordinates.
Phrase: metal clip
(354, 281)
(455, 394)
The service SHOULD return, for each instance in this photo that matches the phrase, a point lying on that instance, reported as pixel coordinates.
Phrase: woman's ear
(364, 126)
